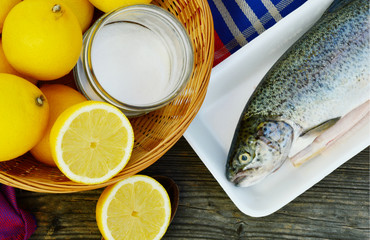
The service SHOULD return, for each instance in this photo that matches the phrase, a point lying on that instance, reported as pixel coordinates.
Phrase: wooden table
(335, 208)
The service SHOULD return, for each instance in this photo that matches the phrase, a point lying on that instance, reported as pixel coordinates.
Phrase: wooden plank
(335, 208)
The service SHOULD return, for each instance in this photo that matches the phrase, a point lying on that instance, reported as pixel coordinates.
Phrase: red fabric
(221, 52)
(15, 224)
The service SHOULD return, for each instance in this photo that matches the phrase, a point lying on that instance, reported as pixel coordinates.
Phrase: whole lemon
(5, 67)
(83, 10)
(42, 39)
(60, 97)
(109, 5)
(5, 7)
(24, 113)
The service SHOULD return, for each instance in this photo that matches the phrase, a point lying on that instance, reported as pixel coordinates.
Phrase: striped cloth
(238, 22)
(15, 224)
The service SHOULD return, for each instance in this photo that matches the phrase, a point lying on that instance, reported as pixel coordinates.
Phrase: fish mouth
(238, 177)
(244, 178)
(248, 177)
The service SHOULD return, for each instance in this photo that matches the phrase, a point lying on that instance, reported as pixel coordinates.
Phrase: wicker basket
(156, 132)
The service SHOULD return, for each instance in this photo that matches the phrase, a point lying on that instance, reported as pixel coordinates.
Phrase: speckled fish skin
(324, 75)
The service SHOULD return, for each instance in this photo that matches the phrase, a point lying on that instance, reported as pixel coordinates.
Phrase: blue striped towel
(237, 22)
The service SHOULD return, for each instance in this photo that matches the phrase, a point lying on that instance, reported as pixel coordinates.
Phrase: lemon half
(137, 207)
(91, 142)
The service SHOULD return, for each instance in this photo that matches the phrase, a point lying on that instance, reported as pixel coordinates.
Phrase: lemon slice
(91, 142)
(137, 207)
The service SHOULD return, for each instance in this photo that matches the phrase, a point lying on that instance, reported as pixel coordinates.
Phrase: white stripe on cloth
(272, 10)
(239, 37)
(283, 4)
(253, 19)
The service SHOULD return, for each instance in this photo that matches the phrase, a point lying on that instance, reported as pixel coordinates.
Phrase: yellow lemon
(5, 7)
(42, 39)
(109, 5)
(83, 10)
(137, 207)
(24, 113)
(60, 97)
(91, 142)
(5, 67)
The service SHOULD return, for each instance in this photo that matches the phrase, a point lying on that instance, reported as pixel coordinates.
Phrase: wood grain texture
(335, 208)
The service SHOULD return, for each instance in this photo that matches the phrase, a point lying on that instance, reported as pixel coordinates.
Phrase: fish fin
(358, 118)
(337, 4)
(317, 130)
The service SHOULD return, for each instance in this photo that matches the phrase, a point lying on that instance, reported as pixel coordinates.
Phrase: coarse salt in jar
(137, 58)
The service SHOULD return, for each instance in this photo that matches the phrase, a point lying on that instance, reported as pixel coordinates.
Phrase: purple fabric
(15, 224)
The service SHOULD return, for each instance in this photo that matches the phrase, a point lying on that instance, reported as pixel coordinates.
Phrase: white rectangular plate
(232, 83)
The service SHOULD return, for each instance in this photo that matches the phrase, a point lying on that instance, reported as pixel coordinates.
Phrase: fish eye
(244, 158)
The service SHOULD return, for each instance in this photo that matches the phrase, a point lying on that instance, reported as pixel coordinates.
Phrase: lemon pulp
(135, 208)
(91, 142)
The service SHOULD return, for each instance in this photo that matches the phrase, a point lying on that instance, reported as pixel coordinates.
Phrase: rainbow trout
(323, 76)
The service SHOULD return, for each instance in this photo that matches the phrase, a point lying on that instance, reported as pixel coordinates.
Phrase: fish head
(258, 150)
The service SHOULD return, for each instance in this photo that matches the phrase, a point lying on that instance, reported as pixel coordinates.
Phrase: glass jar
(136, 58)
